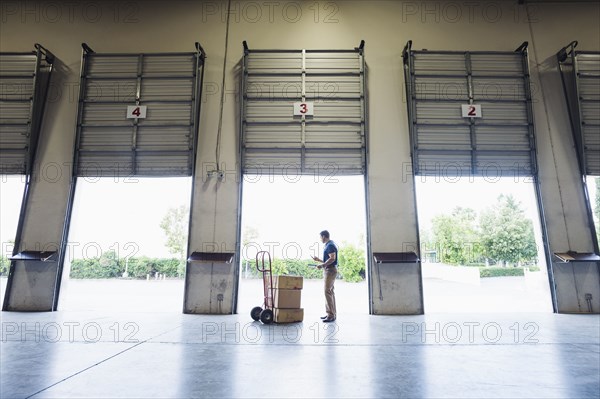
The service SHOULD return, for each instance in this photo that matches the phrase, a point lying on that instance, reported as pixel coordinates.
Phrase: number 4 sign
(136, 111)
(304, 109)
(471, 110)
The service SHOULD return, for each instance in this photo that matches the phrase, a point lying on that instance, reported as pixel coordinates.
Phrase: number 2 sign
(136, 111)
(471, 110)
(306, 109)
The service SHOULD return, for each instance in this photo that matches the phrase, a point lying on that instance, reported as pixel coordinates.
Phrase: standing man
(329, 266)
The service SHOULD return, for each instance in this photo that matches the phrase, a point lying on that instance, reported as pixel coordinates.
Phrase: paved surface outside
(494, 294)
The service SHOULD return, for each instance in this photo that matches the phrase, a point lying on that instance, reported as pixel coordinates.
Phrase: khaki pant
(329, 278)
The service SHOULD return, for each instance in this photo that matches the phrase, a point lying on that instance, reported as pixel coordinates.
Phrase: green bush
(292, 267)
(108, 266)
(351, 267)
(500, 271)
(302, 268)
(351, 263)
(140, 267)
(4, 266)
(477, 264)
(278, 266)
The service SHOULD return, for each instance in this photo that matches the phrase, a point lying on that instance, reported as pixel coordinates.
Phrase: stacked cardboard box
(287, 292)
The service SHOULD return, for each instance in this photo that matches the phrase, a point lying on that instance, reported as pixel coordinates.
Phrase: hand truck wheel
(255, 313)
(266, 316)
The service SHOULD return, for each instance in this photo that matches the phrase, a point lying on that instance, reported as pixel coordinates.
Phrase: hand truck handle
(260, 261)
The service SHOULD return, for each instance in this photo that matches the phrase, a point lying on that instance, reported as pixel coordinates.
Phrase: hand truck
(263, 265)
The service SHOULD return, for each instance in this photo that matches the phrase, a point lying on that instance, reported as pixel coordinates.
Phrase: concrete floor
(149, 349)
(72, 354)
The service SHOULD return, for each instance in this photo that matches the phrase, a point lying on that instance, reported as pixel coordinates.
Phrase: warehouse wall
(149, 26)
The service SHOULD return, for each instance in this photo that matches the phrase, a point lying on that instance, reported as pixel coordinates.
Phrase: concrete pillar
(34, 285)
(562, 192)
(214, 209)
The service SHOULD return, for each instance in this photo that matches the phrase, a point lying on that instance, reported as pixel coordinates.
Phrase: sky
(476, 195)
(288, 213)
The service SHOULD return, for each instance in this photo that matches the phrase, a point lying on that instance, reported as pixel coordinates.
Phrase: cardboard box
(288, 282)
(287, 299)
(288, 315)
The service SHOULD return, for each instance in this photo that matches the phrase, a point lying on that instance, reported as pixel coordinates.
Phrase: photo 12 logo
(469, 332)
(256, 333)
(69, 12)
(271, 11)
(469, 12)
(70, 331)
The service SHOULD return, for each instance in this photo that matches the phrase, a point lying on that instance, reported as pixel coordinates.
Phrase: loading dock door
(24, 79)
(470, 113)
(303, 111)
(581, 79)
(138, 114)
(587, 67)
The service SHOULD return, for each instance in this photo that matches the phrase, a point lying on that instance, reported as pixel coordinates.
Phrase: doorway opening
(127, 245)
(284, 215)
(481, 246)
(11, 198)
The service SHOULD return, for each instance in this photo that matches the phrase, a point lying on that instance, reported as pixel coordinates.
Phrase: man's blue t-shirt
(330, 247)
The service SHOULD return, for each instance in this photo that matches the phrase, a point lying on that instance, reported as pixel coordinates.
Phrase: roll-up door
(470, 112)
(303, 111)
(24, 80)
(581, 78)
(138, 113)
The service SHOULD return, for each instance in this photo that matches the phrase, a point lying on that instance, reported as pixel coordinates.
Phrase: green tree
(456, 237)
(506, 234)
(351, 263)
(175, 225)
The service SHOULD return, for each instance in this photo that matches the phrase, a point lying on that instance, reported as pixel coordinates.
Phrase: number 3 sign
(471, 110)
(136, 111)
(304, 109)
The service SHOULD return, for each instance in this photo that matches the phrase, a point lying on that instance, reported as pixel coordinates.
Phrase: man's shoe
(328, 320)
(324, 317)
